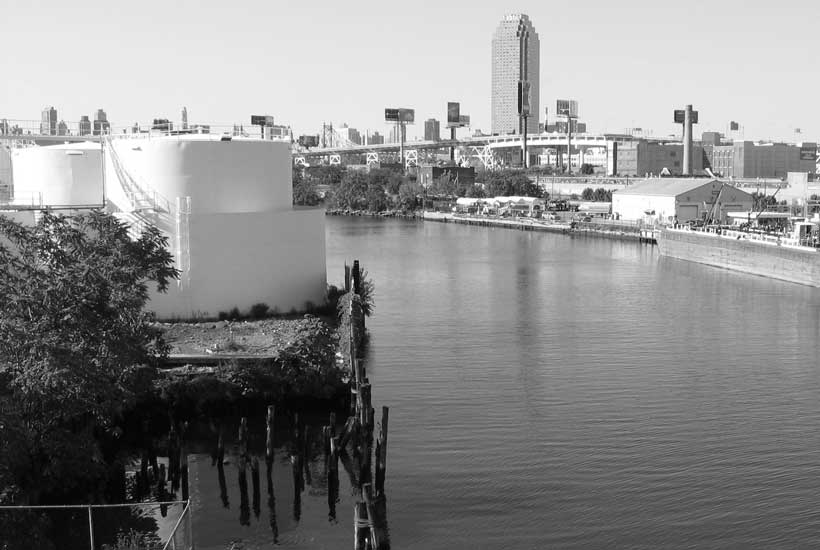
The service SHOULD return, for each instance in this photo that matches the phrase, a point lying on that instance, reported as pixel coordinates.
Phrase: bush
(259, 311)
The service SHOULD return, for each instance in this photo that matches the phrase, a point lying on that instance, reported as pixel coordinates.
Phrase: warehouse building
(666, 200)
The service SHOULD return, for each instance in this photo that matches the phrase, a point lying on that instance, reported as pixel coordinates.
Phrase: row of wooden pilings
(158, 477)
(370, 508)
(363, 456)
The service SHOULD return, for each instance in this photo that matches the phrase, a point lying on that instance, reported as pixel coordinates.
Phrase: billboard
(262, 120)
(407, 115)
(399, 115)
(680, 116)
(733, 126)
(566, 107)
(808, 151)
(464, 120)
(453, 113)
(523, 98)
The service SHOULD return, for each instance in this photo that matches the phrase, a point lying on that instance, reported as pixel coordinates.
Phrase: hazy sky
(629, 63)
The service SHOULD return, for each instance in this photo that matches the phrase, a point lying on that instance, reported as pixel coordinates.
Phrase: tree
(505, 183)
(304, 189)
(73, 335)
(351, 191)
(587, 194)
(409, 192)
(587, 169)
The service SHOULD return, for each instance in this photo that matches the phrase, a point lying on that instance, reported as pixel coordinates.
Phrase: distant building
(394, 133)
(374, 138)
(101, 124)
(642, 157)
(162, 124)
(746, 159)
(48, 122)
(349, 134)
(62, 128)
(429, 174)
(678, 199)
(515, 57)
(184, 118)
(432, 130)
(84, 126)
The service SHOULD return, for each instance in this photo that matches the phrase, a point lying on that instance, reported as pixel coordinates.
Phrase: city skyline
(629, 65)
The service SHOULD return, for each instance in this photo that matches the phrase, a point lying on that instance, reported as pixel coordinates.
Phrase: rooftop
(665, 187)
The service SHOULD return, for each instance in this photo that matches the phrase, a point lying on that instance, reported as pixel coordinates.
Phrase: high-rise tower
(516, 58)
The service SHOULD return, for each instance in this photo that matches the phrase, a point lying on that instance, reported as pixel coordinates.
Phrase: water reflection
(223, 487)
(272, 508)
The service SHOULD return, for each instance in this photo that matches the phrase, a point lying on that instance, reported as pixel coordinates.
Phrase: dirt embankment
(265, 337)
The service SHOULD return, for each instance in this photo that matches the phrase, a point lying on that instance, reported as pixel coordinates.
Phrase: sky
(628, 63)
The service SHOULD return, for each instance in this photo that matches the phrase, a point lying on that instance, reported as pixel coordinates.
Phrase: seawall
(592, 229)
(795, 265)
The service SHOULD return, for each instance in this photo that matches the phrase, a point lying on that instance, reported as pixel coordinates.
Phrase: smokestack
(687, 141)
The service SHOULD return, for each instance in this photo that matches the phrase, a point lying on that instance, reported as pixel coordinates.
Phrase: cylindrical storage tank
(226, 206)
(58, 175)
(220, 176)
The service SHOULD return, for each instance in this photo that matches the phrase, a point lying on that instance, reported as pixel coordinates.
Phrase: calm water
(554, 392)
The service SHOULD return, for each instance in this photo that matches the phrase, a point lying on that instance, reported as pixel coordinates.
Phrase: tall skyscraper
(184, 118)
(48, 122)
(516, 58)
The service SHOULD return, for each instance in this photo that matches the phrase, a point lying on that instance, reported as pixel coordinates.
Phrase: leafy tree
(587, 169)
(304, 189)
(505, 183)
(351, 191)
(408, 195)
(587, 194)
(73, 335)
(326, 174)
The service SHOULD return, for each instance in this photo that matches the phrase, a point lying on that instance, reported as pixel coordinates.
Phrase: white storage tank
(226, 207)
(58, 175)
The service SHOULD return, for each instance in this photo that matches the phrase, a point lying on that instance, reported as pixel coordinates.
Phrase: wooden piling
(367, 495)
(357, 278)
(269, 434)
(360, 526)
(347, 432)
(381, 453)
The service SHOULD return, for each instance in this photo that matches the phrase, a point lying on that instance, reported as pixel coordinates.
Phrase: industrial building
(642, 158)
(746, 159)
(224, 203)
(667, 200)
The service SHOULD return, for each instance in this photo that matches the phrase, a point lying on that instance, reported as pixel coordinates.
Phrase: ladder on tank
(183, 242)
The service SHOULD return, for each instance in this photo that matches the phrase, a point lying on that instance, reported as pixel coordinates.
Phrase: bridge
(484, 148)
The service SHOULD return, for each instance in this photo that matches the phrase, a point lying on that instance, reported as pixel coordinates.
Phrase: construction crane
(710, 218)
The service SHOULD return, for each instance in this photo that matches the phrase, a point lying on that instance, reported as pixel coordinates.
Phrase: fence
(133, 526)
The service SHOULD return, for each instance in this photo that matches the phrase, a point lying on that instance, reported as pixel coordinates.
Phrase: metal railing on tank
(150, 525)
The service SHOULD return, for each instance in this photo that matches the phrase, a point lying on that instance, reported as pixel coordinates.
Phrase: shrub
(259, 311)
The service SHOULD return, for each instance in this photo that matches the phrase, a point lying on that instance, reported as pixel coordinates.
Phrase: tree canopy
(73, 332)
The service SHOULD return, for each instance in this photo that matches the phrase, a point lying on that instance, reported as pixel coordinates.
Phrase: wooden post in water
(360, 526)
(381, 453)
(183, 462)
(269, 435)
(367, 494)
(347, 277)
(357, 279)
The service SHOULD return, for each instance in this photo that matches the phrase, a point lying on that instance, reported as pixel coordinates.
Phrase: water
(556, 392)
